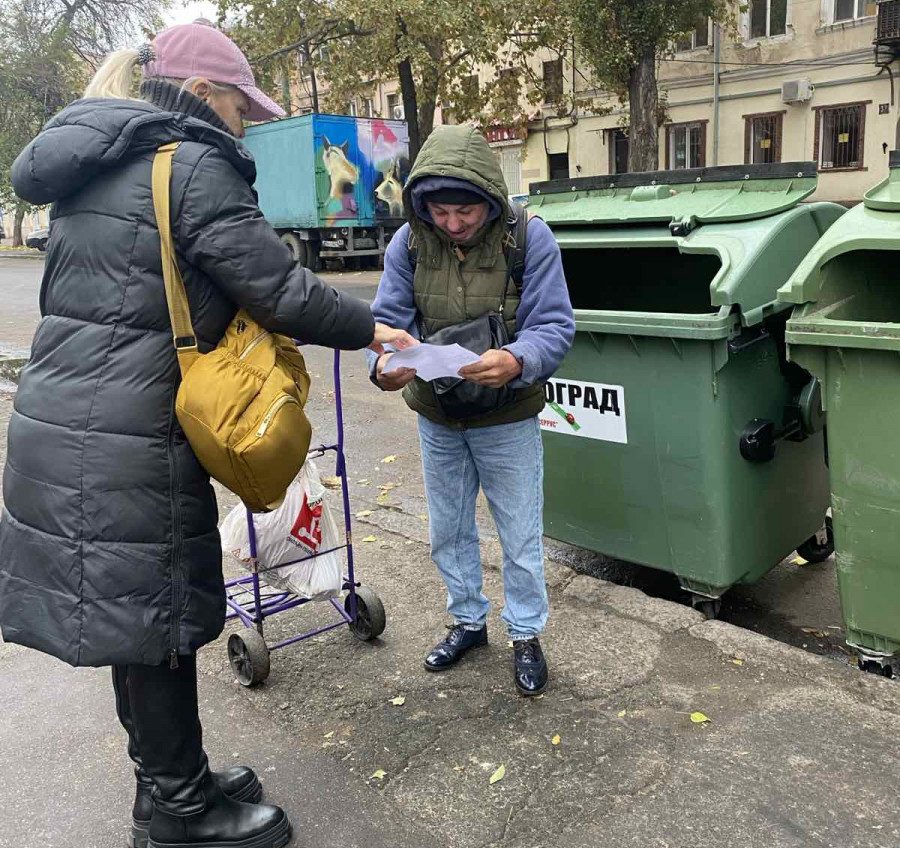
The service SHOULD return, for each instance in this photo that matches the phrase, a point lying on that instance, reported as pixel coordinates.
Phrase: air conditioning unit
(796, 91)
(888, 29)
(397, 114)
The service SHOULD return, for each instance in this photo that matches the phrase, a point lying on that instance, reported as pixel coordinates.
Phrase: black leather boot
(210, 819)
(529, 667)
(190, 809)
(238, 782)
(454, 647)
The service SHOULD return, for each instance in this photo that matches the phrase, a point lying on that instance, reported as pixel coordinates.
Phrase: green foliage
(612, 35)
(444, 42)
(47, 50)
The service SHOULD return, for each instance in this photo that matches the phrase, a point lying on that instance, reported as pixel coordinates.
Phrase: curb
(22, 254)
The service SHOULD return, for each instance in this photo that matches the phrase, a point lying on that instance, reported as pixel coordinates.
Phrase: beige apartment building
(798, 82)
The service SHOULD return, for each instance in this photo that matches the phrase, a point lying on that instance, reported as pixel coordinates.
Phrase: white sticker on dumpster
(589, 410)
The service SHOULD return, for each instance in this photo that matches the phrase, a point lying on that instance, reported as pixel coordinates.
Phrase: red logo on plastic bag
(307, 529)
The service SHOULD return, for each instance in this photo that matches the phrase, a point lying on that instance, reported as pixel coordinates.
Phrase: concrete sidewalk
(798, 750)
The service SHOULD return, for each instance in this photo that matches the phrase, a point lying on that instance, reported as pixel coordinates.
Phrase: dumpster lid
(885, 197)
(686, 197)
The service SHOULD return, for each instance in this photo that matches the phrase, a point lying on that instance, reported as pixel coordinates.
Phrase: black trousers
(157, 706)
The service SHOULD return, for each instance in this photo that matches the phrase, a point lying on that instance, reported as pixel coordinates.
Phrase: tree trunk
(643, 105)
(427, 96)
(410, 107)
(17, 227)
(408, 92)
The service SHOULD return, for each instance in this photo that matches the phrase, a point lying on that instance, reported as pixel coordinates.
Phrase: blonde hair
(115, 78)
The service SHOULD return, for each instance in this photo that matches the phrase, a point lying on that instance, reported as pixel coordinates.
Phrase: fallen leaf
(410, 542)
(363, 482)
(387, 487)
(699, 718)
(799, 561)
(498, 775)
(371, 539)
(736, 661)
(328, 735)
(364, 514)
(389, 459)
(331, 482)
(622, 713)
(423, 517)
(380, 774)
(399, 701)
(556, 740)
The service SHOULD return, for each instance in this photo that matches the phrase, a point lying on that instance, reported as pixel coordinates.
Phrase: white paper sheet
(432, 361)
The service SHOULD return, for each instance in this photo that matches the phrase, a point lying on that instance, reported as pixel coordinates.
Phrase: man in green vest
(459, 262)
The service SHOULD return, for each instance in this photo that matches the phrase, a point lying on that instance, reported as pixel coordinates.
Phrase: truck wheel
(297, 247)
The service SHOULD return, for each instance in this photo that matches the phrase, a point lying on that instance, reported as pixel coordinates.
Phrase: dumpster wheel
(710, 607)
(878, 667)
(819, 547)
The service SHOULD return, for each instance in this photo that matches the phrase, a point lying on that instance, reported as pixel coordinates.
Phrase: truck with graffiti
(332, 185)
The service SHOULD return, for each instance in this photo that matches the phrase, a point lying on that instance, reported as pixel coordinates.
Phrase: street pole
(717, 56)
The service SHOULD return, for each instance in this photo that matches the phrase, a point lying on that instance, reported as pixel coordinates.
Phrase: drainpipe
(717, 55)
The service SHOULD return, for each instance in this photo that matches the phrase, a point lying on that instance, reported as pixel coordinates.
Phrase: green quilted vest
(451, 287)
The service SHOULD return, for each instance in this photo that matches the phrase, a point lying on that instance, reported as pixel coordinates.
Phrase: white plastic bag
(300, 527)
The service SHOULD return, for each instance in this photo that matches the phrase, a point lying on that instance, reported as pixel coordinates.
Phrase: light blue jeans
(507, 462)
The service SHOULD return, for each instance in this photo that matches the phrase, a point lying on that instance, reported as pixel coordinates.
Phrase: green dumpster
(676, 434)
(846, 332)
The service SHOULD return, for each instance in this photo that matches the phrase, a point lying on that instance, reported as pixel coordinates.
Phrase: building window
(698, 38)
(848, 10)
(351, 108)
(762, 138)
(395, 107)
(368, 107)
(511, 165)
(553, 81)
(618, 150)
(558, 166)
(768, 18)
(686, 146)
(840, 136)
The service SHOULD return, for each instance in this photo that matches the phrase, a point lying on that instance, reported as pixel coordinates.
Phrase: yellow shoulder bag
(241, 404)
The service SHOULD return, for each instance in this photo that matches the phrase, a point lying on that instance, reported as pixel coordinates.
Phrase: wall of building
(837, 59)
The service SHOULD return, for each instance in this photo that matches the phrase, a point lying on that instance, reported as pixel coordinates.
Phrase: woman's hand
(400, 339)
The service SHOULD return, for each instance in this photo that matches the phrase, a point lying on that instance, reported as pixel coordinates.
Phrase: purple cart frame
(252, 603)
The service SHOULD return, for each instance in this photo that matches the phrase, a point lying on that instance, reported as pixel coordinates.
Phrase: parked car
(38, 239)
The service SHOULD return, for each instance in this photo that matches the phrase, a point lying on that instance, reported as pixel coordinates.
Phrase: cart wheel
(297, 247)
(370, 619)
(710, 607)
(249, 657)
(819, 547)
(876, 668)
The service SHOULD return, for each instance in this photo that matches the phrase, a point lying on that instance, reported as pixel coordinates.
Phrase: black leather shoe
(455, 646)
(210, 819)
(238, 782)
(530, 669)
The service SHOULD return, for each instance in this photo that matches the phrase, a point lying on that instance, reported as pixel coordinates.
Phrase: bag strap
(176, 297)
(514, 251)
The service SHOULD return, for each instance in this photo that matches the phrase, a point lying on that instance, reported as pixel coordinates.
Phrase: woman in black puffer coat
(109, 548)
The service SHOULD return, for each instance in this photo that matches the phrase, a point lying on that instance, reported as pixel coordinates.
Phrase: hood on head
(95, 135)
(454, 154)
